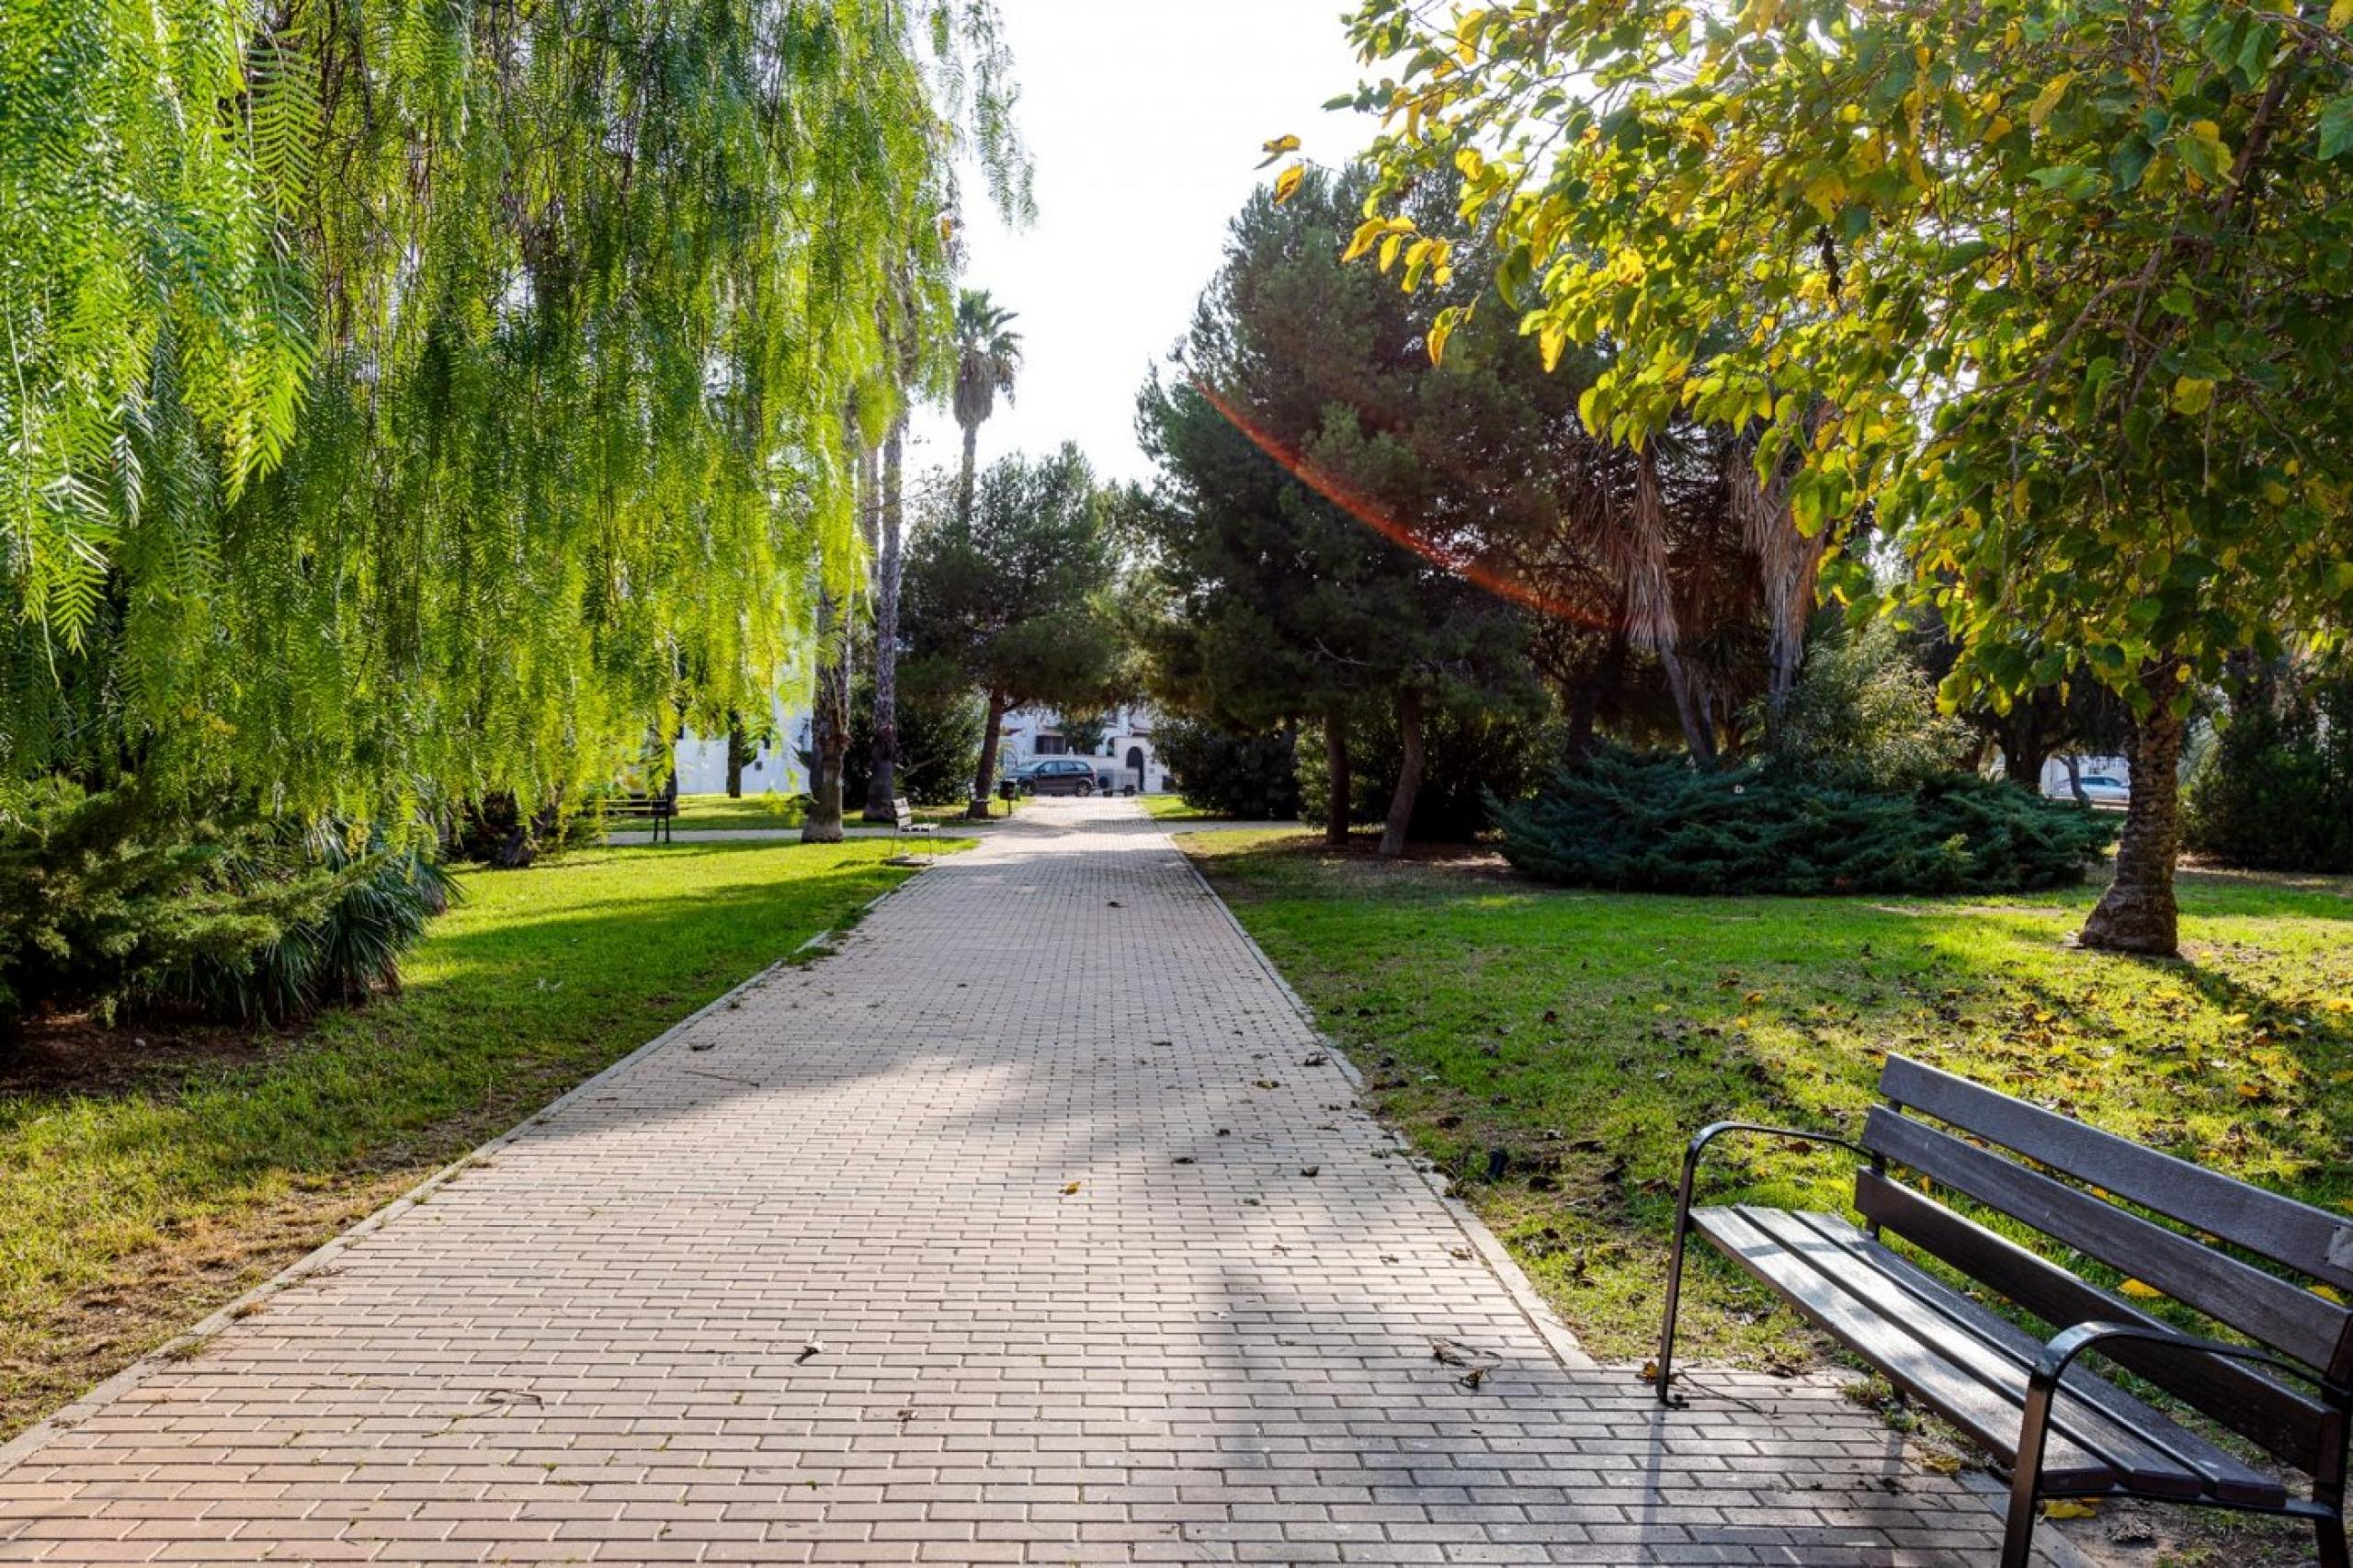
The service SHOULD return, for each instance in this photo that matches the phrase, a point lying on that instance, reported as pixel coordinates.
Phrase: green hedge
(1652, 823)
(2275, 791)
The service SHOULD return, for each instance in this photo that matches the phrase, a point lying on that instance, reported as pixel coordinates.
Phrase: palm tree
(988, 356)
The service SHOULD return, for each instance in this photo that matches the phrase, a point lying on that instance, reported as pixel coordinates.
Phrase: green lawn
(718, 810)
(1586, 1035)
(1172, 808)
(136, 1199)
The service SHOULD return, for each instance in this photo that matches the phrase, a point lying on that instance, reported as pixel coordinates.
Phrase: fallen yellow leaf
(2141, 1292)
(2060, 1508)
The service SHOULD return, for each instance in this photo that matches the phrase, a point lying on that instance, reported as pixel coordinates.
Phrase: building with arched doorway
(1120, 740)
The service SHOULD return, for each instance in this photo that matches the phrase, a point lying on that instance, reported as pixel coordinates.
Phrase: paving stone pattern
(1033, 1226)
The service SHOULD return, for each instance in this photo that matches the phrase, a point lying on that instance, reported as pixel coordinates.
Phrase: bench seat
(1972, 1366)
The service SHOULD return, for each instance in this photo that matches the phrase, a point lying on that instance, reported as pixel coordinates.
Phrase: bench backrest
(905, 811)
(2282, 1313)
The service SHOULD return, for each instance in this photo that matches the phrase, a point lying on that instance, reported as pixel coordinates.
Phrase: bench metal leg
(1674, 1291)
(2025, 1477)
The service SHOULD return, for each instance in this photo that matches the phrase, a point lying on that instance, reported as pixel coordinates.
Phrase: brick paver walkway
(1034, 1226)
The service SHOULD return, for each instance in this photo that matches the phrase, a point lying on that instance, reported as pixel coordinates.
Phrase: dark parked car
(1054, 775)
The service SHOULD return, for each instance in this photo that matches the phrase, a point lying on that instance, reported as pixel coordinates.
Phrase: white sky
(1145, 120)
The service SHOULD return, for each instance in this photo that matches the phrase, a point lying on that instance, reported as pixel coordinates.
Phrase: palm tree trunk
(828, 728)
(1699, 735)
(1409, 772)
(964, 476)
(984, 780)
(2138, 914)
(1336, 776)
(882, 785)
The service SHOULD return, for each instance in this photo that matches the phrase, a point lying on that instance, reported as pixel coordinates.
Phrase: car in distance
(2099, 789)
(1054, 775)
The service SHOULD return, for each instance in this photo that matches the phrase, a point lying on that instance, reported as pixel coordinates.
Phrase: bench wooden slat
(2311, 1241)
(2270, 1414)
(2280, 1314)
(2156, 1453)
(1970, 1404)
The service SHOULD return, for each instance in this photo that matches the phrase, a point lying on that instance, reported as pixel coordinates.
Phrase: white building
(1126, 752)
(775, 770)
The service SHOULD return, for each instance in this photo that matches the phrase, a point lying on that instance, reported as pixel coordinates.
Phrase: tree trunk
(828, 727)
(1585, 703)
(2026, 742)
(984, 780)
(964, 475)
(1409, 772)
(2137, 914)
(2076, 779)
(1336, 776)
(1699, 737)
(882, 781)
(735, 749)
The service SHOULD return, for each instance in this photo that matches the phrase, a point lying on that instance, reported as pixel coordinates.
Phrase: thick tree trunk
(984, 780)
(882, 779)
(1337, 778)
(735, 749)
(1409, 772)
(2137, 914)
(828, 728)
(964, 475)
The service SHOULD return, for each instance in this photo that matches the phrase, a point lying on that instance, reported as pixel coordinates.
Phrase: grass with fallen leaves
(1585, 1035)
(137, 1195)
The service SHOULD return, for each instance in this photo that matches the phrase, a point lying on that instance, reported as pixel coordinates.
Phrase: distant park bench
(905, 826)
(661, 809)
(2059, 1430)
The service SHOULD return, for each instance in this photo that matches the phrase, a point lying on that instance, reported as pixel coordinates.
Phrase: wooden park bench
(660, 808)
(2284, 1381)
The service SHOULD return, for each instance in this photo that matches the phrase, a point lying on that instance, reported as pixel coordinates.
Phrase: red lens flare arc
(1367, 510)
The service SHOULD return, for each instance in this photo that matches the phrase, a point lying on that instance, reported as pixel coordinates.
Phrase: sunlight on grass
(124, 1216)
(1587, 1035)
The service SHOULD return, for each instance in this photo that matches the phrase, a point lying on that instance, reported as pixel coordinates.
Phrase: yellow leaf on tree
(1281, 145)
(2048, 100)
(1441, 328)
(1286, 182)
(2340, 13)
(2191, 395)
(2141, 1292)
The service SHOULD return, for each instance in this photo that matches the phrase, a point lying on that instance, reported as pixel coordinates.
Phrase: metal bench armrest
(1715, 1129)
(2042, 1388)
(2070, 1343)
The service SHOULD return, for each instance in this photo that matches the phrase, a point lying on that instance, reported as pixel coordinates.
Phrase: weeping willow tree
(422, 397)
